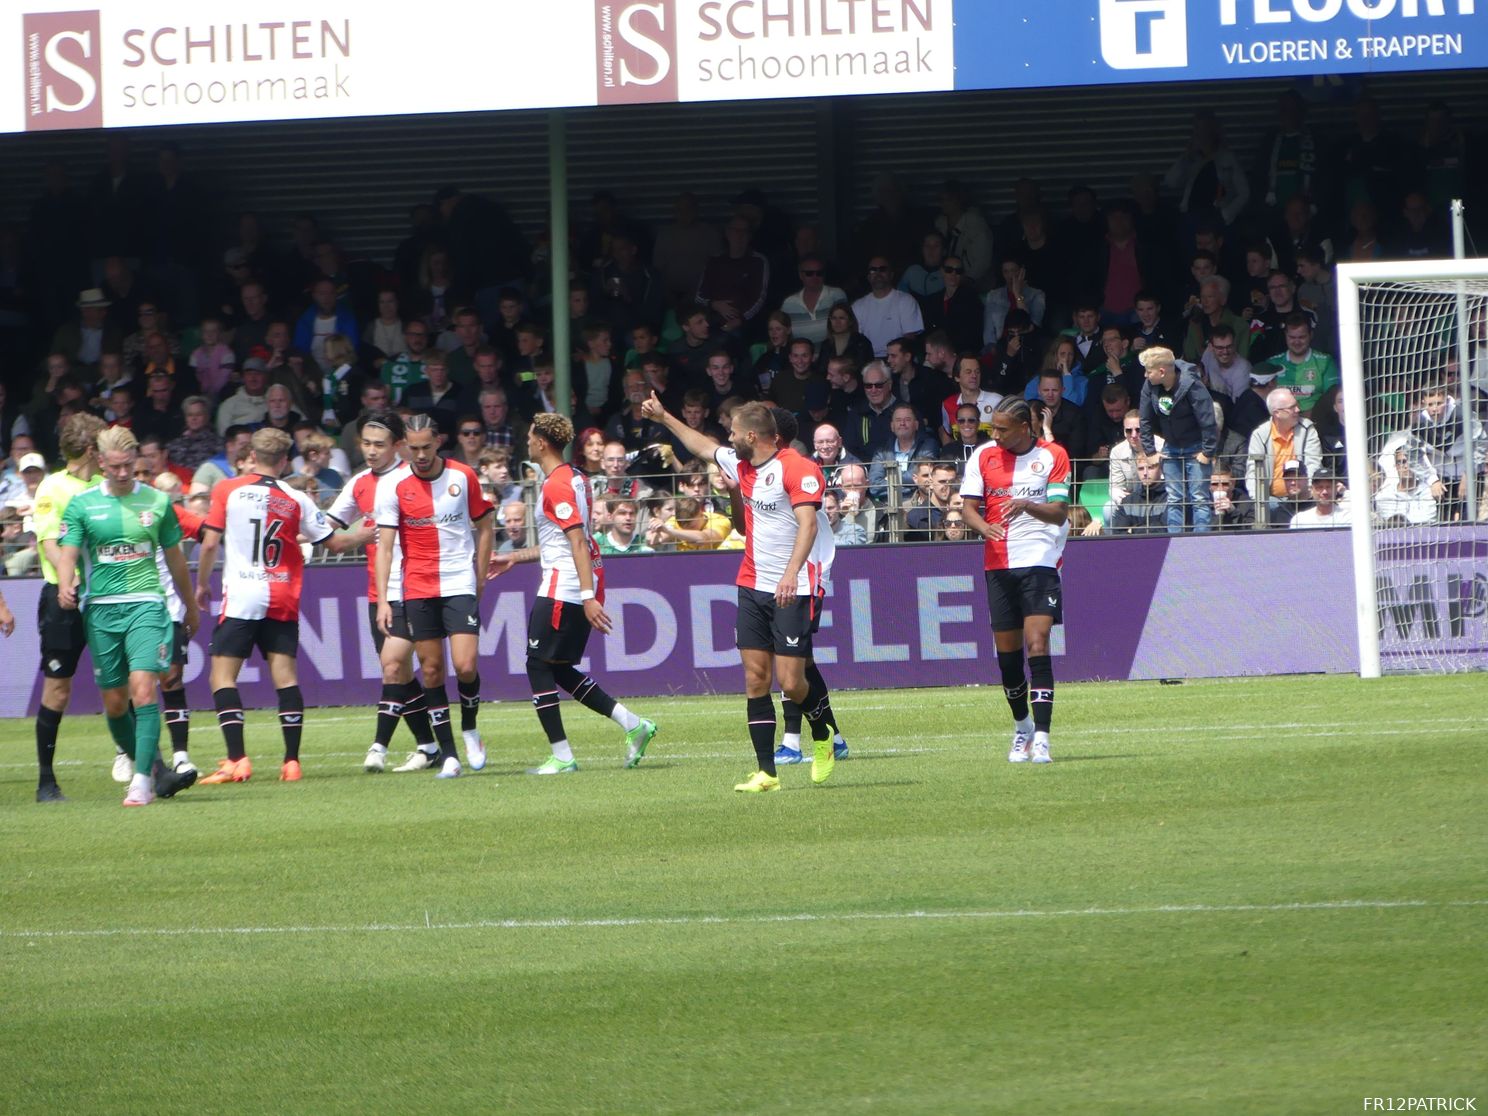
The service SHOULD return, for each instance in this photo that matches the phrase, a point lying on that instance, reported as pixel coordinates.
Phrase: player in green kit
(118, 526)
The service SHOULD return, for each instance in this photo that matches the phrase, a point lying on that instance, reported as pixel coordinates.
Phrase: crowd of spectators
(891, 350)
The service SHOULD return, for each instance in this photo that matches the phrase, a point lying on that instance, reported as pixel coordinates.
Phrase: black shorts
(557, 631)
(762, 625)
(180, 641)
(399, 625)
(816, 612)
(438, 617)
(235, 638)
(62, 635)
(1014, 595)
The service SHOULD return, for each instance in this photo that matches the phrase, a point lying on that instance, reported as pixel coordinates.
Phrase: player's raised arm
(696, 442)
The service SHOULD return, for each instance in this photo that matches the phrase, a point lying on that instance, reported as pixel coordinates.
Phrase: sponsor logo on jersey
(792, 641)
(810, 484)
(1165, 404)
(563, 510)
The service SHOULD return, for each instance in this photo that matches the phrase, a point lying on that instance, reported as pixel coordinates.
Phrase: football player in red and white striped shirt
(438, 516)
(777, 580)
(381, 434)
(570, 600)
(1016, 496)
(258, 521)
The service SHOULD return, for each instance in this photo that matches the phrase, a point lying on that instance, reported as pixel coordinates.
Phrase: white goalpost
(1413, 354)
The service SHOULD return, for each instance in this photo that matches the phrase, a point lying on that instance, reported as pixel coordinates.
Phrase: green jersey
(118, 538)
(52, 497)
(401, 373)
(1306, 379)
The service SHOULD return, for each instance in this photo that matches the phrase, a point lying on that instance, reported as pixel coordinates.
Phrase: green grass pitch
(1248, 896)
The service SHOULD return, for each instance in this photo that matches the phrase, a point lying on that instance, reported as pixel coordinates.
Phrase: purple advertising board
(897, 616)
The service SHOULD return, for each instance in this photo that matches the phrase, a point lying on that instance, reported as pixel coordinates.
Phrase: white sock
(838, 738)
(562, 751)
(791, 740)
(141, 783)
(624, 717)
(1041, 738)
(431, 748)
(179, 758)
(380, 749)
(1025, 726)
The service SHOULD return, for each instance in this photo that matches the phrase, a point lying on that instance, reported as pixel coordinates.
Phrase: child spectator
(213, 360)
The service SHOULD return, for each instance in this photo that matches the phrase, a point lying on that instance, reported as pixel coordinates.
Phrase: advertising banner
(134, 63)
(897, 617)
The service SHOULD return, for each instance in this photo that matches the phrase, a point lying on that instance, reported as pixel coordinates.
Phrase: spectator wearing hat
(1287, 439)
(90, 335)
(13, 486)
(247, 406)
(1330, 507)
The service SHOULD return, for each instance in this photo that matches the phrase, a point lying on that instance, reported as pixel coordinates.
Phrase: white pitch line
(754, 920)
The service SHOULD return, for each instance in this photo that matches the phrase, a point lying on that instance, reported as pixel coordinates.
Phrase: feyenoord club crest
(454, 490)
(1036, 467)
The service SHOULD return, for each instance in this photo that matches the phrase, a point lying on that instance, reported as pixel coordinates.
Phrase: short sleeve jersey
(260, 520)
(190, 529)
(435, 520)
(52, 497)
(565, 503)
(986, 405)
(994, 477)
(358, 500)
(772, 491)
(118, 538)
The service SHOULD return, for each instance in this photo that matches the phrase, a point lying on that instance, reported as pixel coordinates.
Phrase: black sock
(1041, 690)
(790, 714)
(439, 720)
(761, 714)
(469, 702)
(545, 698)
(584, 689)
(47, 723)
(291, 720)
(389, 709)
(816, 707)
(230, 719)
(1014, 682)
(416, 713)
(177, 718)
(814, 683)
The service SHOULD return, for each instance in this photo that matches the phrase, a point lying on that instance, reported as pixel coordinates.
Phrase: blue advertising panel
(1002, 45)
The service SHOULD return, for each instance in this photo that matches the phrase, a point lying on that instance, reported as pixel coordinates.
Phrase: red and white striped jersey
(994, 477)
(358, 500)
(435, 520)
(260, 520)
(986, 405)
(772, 492)
(565, 502)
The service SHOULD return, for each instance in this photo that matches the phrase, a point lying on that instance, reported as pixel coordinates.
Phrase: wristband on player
(586, 594)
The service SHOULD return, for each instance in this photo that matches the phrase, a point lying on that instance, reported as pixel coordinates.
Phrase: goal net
(1413, 347)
